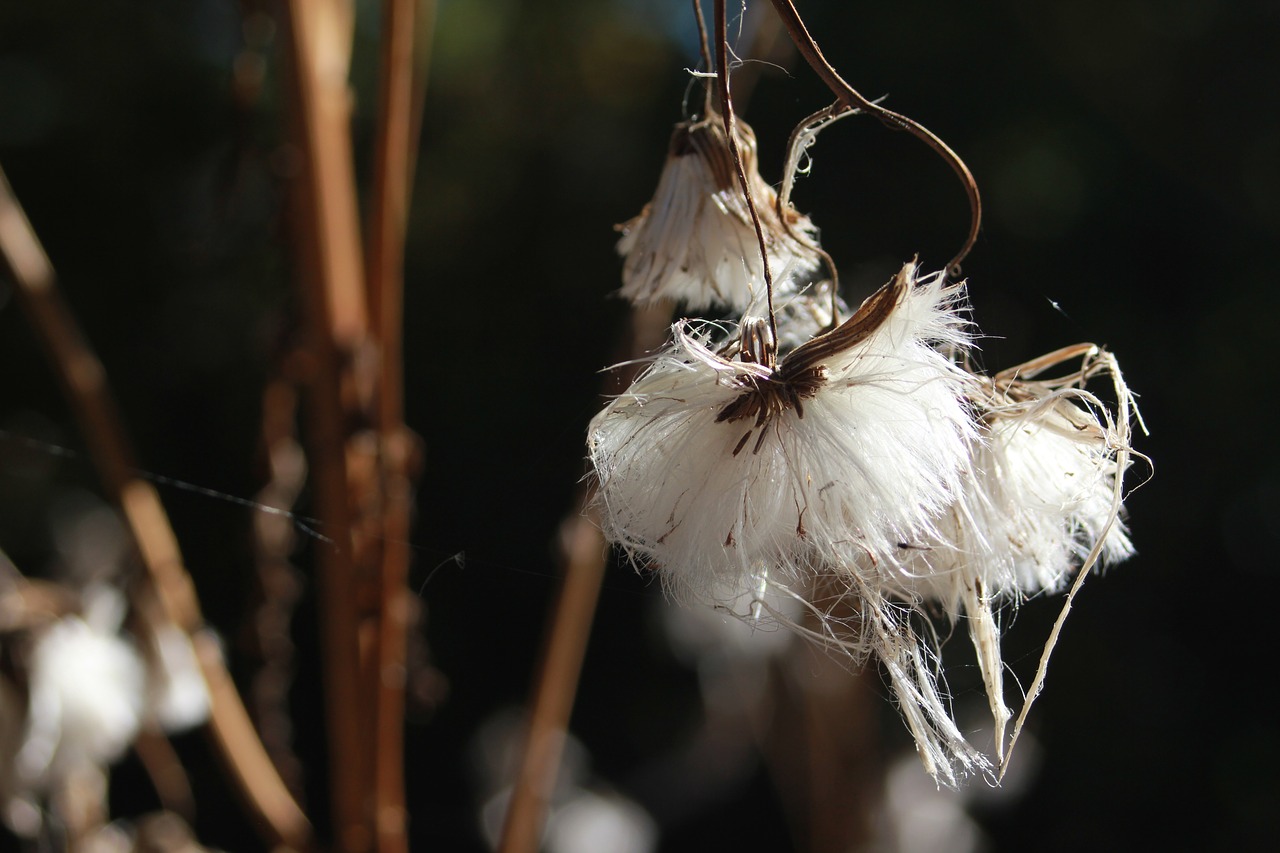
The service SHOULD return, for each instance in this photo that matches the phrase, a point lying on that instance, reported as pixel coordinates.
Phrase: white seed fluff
(871, 458)
(695, 242)
(86, 701)
(1039, 497)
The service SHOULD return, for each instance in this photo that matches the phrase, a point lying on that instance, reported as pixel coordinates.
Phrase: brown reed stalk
(84, 382)
(330, 278)
(394, 146)
(584, 555)
(279, 580)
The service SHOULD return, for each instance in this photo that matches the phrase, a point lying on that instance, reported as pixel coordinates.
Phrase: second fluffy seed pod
(695, 243)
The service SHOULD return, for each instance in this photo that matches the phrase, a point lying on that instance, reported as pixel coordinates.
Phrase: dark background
(1127, 152)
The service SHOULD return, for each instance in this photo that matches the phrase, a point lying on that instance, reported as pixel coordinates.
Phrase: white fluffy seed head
(1049, 477)
(86, 700)
(866, 460)
(695, 242)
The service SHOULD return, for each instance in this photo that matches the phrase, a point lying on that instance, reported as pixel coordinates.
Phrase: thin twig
(279, 580)
(584, 553)
(163, 765)
(730, 129)
(852, 99)
(85, 385)
(704, 46)
(395, 140)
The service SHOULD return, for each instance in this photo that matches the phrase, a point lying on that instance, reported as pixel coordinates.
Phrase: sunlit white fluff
(86, 691)
(1042, 493)
(1039, 498)
(695, 242)
(177, 694)
(875, 455)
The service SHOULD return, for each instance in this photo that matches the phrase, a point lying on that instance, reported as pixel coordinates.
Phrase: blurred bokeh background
(1129, 156)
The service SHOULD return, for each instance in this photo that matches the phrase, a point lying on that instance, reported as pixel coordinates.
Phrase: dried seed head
(711, 467)
(1041, 498)
(695, 243)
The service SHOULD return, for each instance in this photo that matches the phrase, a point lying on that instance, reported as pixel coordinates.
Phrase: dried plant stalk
(85, 385)
(279, 579)
(584, 552)
(849, 98)
(396, 446)
(330, 277)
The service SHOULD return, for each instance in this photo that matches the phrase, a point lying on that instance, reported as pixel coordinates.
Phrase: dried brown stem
(85, 385)
(584, 549)
(388, 219)
(704, 45)
(161, 761)
(584, 553)
(852, 99)
(330, 277)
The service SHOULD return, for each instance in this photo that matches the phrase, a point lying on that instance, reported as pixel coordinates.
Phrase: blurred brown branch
(398, 123)
(85, 385)
(584, 555)
(330, 279)
(361, 455)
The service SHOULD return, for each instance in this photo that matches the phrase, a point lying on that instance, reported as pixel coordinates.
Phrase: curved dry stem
(854, 100)
(726, 108)
(1096, 361)
(84, 382)
(803, 136)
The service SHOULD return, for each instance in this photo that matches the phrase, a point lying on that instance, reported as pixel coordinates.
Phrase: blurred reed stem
(400, 92)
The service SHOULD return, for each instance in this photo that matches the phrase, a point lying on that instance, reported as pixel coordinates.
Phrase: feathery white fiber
(715, 469)
(695, 242)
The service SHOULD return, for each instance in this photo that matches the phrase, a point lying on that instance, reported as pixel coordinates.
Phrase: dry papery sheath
(695, 243)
